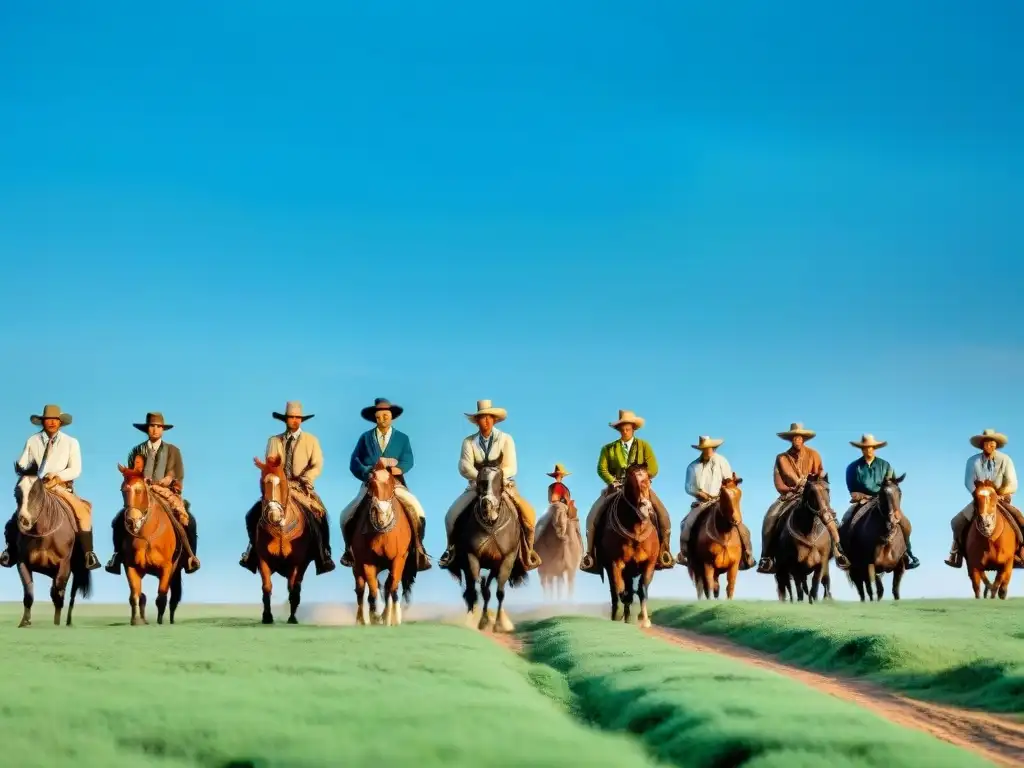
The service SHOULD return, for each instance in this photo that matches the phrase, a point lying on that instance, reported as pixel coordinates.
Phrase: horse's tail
(409, 576)
(82, 576)
(519, 575)
(175, 586)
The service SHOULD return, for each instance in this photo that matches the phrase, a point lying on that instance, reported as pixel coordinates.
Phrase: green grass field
(964, 652)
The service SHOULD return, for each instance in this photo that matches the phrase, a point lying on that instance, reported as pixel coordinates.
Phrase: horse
(152, 547)
(284, 544)
(382, 541)
(803, 543)
(47, 545)
(715, 547)
(990, 543)
(874, 544)
(488, 535)
(560, 547)
(628, 545)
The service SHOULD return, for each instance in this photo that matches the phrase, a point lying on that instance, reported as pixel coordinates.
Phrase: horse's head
(636, 486)
(816, 496)
(381, 490)
(890, 499)
(490, 483)
(135, 494)
(986, 503)
(273, 490)
(25, 489)
(729, 499)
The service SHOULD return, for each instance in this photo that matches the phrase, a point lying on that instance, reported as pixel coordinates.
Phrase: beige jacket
(307, 459)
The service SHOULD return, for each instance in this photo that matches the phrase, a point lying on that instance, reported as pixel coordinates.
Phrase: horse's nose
(23, 520)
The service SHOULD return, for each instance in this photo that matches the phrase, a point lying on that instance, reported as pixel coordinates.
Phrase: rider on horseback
(384, 443)
(792, 468)
(488, 444)
(165, 469)
(704, 477)
(996, 466)
(615, 457)
(864, 478)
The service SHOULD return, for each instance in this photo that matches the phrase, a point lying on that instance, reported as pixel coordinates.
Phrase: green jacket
(612, 462)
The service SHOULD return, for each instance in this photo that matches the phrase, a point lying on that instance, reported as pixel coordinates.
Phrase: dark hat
(381, 404)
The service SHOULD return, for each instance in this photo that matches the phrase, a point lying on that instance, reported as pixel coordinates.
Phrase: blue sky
(723, 219)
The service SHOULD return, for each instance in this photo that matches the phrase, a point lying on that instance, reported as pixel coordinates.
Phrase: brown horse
(991, 543)
(873, 541)
(803, 544)
(715, 547)
(152, 546)
(283, 543)
(629, 545)
(560, 547)
(382, 541)
(46, 545)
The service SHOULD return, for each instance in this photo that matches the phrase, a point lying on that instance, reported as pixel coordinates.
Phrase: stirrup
(5, 559)
(113, 565)
(447, 557)
(767, 565)
(346, 558)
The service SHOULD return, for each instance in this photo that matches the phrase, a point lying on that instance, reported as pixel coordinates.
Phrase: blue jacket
(367, 451)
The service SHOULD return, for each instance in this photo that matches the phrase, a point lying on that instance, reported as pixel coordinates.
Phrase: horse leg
(360, 578)
(570, 583)
(295, 592)
(71, 603)
(730, 580)
(373, 590)
(643, 589)
(812, 595)
(801, 588)
(394, 608)
(471, 574)
(614, 585)
(826, 580)
(708, 580)
(879, 586)
(57, 590)
(161, 592)
(975, 575)
(134, 578)
(1003, 584)
(28, 589)
(897, 577)
(486, 622)
(627, 596)
(268, 590)
(175, 592)
(780, 585)
(503, 623)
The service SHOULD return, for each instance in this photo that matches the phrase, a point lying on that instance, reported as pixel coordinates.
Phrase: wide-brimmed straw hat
(381, 404)
(486, 408)
(796, 429)
(51, 412)
(291, 408)
(987, 434)
(704, 441)
(627, 417)
(868, 441)
(153, 418)
(559, 472)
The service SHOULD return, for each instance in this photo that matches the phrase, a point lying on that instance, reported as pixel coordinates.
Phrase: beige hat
(51, 412)
(868, 441)
(559, 472)
(976, 440)
(485, 408)
(707, 442)
(796, 429)
(627, 417)
(153, 418)
(291, 408)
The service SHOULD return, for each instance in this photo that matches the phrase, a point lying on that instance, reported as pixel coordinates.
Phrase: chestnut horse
(47, 545)
(629, 545)
(560, 547)
(991, 543)
(803, 544)
(382, 541)
(152, 546)
(715, 547)
(874, 544)
(283, 544)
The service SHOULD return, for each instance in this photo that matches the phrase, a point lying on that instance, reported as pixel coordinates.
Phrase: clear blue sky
(725, 219)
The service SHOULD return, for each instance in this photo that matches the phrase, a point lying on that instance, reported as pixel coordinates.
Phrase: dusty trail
(995, 738)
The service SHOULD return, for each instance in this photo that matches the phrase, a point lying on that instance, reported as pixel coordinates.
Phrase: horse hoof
(486, 622)
(504, 623)
(137, 622)
(645, 623)
(471, 620)
(292, 620)
(25, 623)
(268, 619)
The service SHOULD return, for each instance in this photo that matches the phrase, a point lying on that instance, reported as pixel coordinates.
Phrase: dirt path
(998, 739)
(511, 642)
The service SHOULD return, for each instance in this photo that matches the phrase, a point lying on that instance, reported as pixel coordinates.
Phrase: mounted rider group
(53, 457)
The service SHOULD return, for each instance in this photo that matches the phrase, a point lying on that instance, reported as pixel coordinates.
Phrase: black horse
(803, 543)
(873, 541)
(488, 536)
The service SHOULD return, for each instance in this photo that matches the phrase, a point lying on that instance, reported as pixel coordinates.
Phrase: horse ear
(139, 463)
(900, 479)
(978, 483)
(274, 462)
(123, 470)
(258, 463)
(735, 479)
(824, 476)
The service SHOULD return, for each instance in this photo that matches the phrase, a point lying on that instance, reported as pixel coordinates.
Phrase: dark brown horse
(382, 541)
(284, 545)
(804, 546)
(991, 543)
(715, 546)
(46, 545)
(629, 545)
(152, 546)
(874, 544)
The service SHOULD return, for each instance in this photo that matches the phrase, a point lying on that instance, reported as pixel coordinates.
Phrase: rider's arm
(316, 460)
(782, 484)
(851, 478)
(405, 457)
(509, 465)
(74, 467)
(969, 475)
(179, 470)
(691, 480)
(356, 465)
(1009, 478)
(652, 461)
(602, 467)
(466, 467)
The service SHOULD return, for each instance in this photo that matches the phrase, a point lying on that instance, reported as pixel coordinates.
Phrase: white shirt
(64, 459)
(382, 438)
(707, 477)
(154, 447)
(472, 451)
(1001, 472)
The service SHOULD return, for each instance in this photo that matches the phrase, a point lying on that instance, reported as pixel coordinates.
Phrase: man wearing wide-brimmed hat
(384, 447)
(615, 458)
(303, 461)
(792, 468)
(994, 465)
(864, 478)
(704, 476)
(558, 493)
(488, 443)
(57, 458)
(165, 471)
